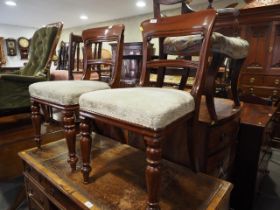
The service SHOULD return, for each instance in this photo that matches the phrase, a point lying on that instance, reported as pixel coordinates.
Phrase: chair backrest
(94, 39)
(198, 23)
(42, 48)
(74, 50)
(157, 11)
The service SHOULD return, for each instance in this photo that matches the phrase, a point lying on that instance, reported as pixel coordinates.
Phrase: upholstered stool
(151, 112)
(64, 95)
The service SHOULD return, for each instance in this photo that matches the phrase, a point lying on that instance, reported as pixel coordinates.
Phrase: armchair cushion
(234, 47)
(41, 45)
(64, 92)
(149, 107)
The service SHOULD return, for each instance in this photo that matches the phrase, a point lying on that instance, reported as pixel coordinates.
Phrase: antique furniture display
(11, 47)
(23, 45)
(132, 60)
(14, 86)
(2, 55)
(118, 186)
(63, 54)
(64, 95)
(260, 74)
(69, 60)
(151, 112)
(252, 154)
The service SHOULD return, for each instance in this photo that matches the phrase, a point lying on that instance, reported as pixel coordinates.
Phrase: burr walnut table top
(118, 182)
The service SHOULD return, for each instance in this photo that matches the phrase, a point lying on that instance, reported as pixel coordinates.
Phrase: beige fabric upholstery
(234, 47)
(64, 92)
(148, 107)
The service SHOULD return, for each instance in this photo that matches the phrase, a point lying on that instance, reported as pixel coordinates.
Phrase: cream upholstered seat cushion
(234, 47)
(149, 107)
(64, 92)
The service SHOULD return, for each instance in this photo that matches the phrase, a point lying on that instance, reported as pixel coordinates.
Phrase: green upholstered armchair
(14, 95)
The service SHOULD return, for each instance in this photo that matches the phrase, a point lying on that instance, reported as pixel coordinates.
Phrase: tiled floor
(268, 199)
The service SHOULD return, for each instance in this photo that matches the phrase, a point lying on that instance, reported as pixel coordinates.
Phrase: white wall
(10, 31)
(132, 32)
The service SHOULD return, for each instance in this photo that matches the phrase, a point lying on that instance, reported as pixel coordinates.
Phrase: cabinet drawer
(222, 136)
(251, 79)
(36, 195)
(219, 164)
(261, 92)
(272, 81)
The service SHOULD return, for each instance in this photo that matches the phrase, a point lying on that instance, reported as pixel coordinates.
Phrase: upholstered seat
(233, 47)
(156, 107)
(64, 92)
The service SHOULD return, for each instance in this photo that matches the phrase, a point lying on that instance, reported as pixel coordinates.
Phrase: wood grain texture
(117, 180)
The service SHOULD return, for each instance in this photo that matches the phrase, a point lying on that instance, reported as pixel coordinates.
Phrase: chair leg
(36, 121)
(153, 175)
(235, 67)
(70, 134)
(85, 142)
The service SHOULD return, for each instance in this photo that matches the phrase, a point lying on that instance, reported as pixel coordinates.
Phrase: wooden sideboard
(117, 181)
(260, 74)
(252, 154)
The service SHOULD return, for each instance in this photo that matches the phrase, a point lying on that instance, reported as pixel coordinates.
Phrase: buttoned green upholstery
(14, 95)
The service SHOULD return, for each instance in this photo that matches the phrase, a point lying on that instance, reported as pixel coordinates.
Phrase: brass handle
(276, 82)
(275, 92)
(270, 49)
(252, 80)
(251, 90)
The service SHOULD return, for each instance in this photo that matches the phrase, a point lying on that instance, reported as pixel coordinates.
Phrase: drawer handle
(275, 92)
(252, 80)
(276, 82)
(251, 90)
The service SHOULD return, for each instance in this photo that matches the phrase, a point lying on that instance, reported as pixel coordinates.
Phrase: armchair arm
(20, 78)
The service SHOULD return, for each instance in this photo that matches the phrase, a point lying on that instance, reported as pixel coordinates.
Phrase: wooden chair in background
(151, 112)
(64, 95)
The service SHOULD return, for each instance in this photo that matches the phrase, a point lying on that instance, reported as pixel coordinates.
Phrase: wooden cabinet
(260, 74)
(252, 154)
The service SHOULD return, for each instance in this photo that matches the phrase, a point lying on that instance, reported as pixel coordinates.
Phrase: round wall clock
(23, 44)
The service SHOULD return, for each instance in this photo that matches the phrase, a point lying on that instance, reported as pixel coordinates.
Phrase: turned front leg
(70, 134)
(85, 148)
(153, 176)
(36, 121)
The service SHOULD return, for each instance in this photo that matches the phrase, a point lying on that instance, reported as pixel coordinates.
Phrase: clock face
(23, 42)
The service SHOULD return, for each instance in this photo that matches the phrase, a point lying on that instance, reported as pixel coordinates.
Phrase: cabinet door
(258, 35)
(275, 47)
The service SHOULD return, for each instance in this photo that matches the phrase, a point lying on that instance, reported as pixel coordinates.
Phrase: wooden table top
(257, 115)
(118, 182)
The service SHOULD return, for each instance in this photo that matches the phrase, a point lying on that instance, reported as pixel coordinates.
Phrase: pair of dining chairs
(150, 111)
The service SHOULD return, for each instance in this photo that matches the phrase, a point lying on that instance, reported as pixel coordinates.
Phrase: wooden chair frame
(200, 23)
(89, 37)
(218, 58)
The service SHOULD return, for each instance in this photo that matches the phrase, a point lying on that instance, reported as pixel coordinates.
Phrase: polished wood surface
(16, 134)
(117, 181)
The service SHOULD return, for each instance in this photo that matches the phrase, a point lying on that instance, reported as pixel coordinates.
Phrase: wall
(132, 32)
(10, 31)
